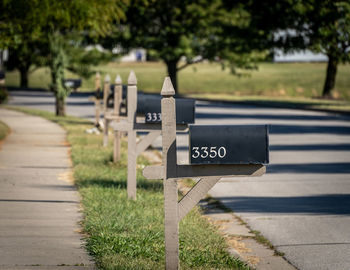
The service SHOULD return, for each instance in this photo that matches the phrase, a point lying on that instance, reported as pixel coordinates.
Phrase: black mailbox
(2, 75)
(110, 99)
(229, 144)
(72, 83)
(150, 106)
(142, 100)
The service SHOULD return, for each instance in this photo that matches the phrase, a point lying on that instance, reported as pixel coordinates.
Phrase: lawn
(4, 130)
(282, 80)
(126, 234)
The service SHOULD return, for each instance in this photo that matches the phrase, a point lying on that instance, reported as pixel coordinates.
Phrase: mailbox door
(151, 108)
(229, 144)
(185, 111)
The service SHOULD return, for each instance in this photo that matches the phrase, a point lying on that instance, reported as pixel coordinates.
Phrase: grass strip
(125, 234)
(4, 130)
(275, 80)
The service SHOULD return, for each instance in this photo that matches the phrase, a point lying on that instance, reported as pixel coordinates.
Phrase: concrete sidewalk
(39, 207)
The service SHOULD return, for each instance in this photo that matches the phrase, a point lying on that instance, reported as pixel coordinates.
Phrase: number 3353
(208, 152)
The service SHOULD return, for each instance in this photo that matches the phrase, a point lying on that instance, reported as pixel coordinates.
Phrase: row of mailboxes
(149, 107)
(210, 144)
(215, 152)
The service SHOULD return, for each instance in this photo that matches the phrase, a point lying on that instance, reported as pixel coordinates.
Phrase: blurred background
(277, 53)
(281, 51)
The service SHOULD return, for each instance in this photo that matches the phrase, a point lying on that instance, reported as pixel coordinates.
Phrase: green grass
(291, 80)
(4, 130)
(3, 94)
(296, 85)
(126, 234)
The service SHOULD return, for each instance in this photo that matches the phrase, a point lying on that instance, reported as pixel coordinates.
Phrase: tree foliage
(52, 23)
(26, 57)
(20, 32)
(322, 26)
(326, 26)
(191, 30)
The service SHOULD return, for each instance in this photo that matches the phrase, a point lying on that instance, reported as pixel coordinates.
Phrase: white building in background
(300, 56)
(4, 55)
(134, 55)
(296, 56)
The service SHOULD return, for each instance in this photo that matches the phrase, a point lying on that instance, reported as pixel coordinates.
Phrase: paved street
(302, 204)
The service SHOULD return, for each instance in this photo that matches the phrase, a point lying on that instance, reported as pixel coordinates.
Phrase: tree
(322, 26)
(326, 27)
(192, 30)
(54, 22)
(25, 57)
(20, 33)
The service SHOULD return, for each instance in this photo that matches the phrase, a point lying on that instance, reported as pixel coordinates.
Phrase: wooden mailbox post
(112, 116)
(107, 81)
(131, 126)
(170, 172)
(97, 99)
(118, 90)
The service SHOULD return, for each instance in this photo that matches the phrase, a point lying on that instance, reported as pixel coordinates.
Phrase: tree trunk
(330, 77)
(57, 66)
(60, 106)
(24, 77)
(172, 71)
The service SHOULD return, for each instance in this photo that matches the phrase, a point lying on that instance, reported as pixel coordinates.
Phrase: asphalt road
(302, 204)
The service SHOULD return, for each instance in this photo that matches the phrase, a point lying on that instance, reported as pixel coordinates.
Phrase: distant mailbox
(110, 99)
(124, 91)
(142, 100)
(151, 108)
(229, 144)
(72, 83)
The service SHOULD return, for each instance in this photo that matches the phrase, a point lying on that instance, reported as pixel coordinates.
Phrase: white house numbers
(153, 117)
(206, 152)
(150, 108)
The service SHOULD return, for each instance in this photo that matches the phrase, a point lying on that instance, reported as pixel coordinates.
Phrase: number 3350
(208, 152)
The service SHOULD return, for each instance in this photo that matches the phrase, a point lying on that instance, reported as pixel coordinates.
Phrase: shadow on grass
(148, 185)
(75, 122)
(48, 103)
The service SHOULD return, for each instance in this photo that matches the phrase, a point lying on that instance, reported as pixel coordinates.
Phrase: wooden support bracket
(127, 126)
(196, 194)
(146, 141)
(113, 117)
